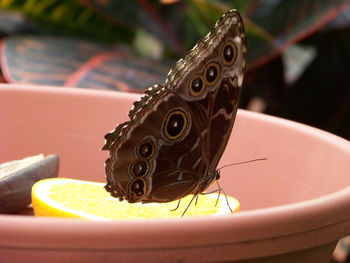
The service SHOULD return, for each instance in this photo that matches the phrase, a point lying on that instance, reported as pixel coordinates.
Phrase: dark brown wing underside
(215, 116)
(186, 164)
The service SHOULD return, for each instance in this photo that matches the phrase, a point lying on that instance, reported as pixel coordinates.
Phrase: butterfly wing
(150, 156)
(178, 132)
(209, 79)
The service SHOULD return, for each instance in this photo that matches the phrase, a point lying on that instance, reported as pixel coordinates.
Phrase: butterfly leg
(178, 204)
(222, 189)
(217, 200)
(196, 200)
(214, 191)
(184, 212)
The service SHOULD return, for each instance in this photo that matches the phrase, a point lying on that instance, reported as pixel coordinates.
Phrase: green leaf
(132, 14)
(69, 17)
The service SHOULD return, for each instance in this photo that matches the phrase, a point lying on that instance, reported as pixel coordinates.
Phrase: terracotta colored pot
(295, 206)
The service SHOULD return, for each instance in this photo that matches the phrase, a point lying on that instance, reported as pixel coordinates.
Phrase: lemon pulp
(60, 197)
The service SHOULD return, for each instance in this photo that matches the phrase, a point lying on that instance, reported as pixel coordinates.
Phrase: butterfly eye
(212, 73)
(175, 124)
(145, 149)
(139, 168)
(138, 188)
(229, 53)
(197, 85)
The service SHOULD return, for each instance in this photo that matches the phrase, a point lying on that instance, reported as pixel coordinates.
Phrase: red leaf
(118, 71)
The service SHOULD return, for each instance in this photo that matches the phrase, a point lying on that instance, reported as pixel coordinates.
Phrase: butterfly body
(178, 131)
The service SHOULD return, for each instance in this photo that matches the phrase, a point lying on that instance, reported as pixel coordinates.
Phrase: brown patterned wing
(151, 156)
(209, 79)
(218, 112)
(178, 132)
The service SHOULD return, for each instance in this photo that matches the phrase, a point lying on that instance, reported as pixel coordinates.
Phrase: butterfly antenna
(250, 161)
(222, 189)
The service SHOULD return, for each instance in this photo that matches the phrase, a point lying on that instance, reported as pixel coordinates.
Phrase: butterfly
(178, 130)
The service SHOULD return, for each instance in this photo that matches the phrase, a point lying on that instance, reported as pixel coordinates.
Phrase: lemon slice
(60, 197)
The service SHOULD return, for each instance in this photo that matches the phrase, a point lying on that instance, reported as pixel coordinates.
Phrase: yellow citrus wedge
(60, 197)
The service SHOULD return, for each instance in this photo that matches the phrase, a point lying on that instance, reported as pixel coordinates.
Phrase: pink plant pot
(294, 206)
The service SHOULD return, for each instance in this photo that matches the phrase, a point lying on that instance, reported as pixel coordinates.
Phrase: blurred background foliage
(298, 51)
